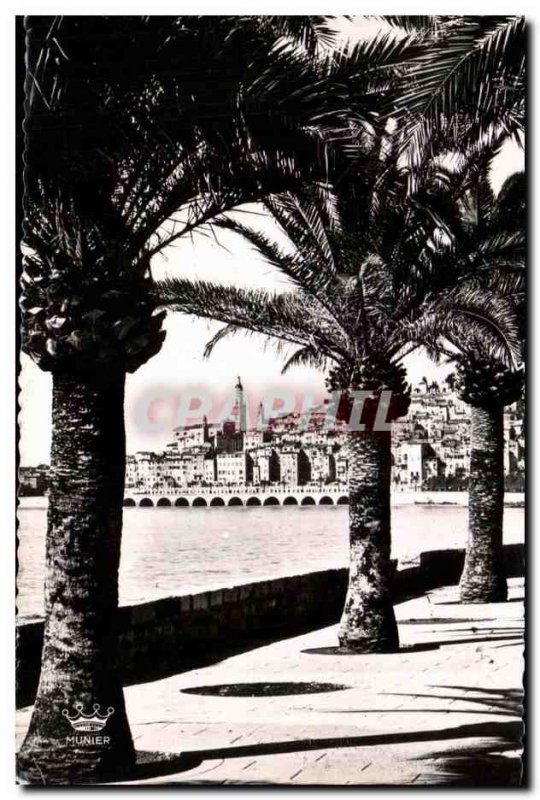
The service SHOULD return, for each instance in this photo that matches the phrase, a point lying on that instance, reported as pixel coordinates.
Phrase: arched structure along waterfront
(237, 497)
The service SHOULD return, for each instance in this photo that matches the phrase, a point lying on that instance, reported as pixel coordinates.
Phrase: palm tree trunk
(78, 663)
(368, 624)
(483, 579)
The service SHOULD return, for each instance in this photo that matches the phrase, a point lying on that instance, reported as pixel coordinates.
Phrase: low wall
(167, 636)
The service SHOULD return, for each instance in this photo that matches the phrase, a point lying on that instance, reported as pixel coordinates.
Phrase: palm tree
(357, 259)
(127, 149)
(487, 261)
(488, 385)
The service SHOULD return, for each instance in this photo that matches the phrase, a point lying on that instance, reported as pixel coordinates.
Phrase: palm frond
(472, 76)
(292, 316)
(310, 32)
(305, 218)
(298, 267)
(223, 333)
(411, 23)
(305, 357)
(133, 152)
(467, 318)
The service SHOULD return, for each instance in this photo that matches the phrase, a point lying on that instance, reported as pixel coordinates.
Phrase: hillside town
(430, 450)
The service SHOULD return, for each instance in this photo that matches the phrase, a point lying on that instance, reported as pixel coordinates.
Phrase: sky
(153, 392)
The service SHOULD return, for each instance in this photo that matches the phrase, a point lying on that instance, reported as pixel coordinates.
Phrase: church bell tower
(240, 406)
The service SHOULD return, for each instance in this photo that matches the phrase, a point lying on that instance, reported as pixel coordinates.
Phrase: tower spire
(240, 406)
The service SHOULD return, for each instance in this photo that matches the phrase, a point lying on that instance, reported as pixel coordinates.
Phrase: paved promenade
(446, 709)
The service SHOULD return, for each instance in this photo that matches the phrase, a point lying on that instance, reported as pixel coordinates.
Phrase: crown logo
(88, 722)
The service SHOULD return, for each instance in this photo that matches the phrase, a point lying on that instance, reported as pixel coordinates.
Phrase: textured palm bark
(483, 579)
(368, 624)
(81, 587)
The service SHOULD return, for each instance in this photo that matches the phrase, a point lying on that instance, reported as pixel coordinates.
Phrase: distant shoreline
(511, 500)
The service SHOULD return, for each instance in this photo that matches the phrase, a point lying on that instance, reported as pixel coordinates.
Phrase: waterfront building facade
(430, 448)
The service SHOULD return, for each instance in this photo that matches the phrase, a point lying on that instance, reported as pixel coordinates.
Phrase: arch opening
(199, 502)
(129, 502)
(326, 501)
(290, 501)
(308, 501)
(146, 503)
(343, 501)
(217, 501)
(253, 501)
(235, 501)
(271, 501)
(181, 502)
(163, 502)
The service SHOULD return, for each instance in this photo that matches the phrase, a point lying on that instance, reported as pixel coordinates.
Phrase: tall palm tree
(488, 256)
(357, 259)
(129, 147)
(488, 385)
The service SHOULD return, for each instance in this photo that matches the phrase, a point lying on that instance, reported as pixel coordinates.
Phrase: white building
(266, 466)
(191, 436)
(414, 462)
(144, 469)
(209, 469)
(234, 468)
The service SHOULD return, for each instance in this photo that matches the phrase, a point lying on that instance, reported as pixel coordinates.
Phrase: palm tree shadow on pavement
(502, 702)
(421, 647)
(341, 651)
(490, 763)
(459, 602)
(496, 700)
(484, 764)
(502, 735)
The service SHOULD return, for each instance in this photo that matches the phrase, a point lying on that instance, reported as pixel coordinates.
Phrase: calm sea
(172, 551)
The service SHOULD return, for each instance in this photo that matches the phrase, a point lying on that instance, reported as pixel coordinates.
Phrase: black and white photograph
(271, 457)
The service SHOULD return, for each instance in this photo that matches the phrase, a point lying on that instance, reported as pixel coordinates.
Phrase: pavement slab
(446, 709)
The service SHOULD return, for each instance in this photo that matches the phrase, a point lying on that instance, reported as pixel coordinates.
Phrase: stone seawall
(172, 635)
